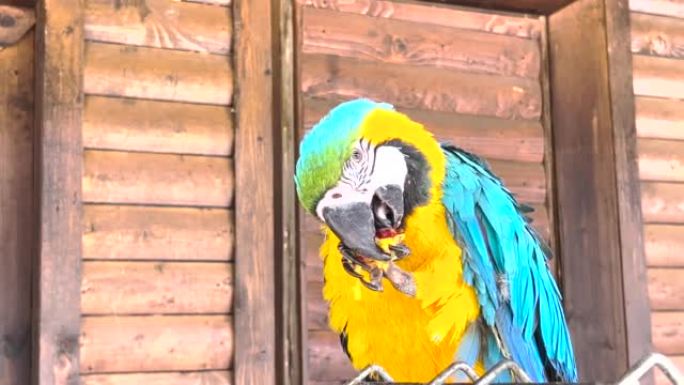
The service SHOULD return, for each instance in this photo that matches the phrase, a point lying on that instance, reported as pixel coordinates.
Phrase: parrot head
(362, 170)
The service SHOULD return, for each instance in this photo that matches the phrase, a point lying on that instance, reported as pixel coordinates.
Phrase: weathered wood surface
(525, 180)
(657, 35)
(661, 160)
(14, 23)
(660, 118)
(152, 126)
(153, 73)
(160, 24)
(662, 202)
(255, 272)
(327, 360)
(316, 306)
(156, 343)
(58, 162)
(668, 332)
(663, 243)
(157, 233)
(660, 7)
(657, 76)
(210, 377)
(401, 42)
(488, 137)
(504, 24)
(120, 288)
(140, 178)
(16, 208)
(666, 288)
(421, 87)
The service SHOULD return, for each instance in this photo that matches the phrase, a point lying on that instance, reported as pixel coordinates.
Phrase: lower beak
(354, 225)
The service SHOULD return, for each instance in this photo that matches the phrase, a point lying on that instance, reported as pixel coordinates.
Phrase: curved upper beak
(356, 223)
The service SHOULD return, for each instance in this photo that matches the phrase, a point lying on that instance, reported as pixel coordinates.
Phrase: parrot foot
(351, 265)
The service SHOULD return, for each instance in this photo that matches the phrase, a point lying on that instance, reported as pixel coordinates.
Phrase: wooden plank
(403, 42)
(592, 153)
(506, 24)
(316, 306)
(493, 138)
(661, 160)
(666, 288)
(255, 359)
(210, 377)
(223, 3)
(327, 360)
(660, 241)
(662, 202)
(58, 163)
(668, 332)
(120, 288)
(15, 23)
(544, 7)
(151, 126)
(152, 73)
(659, 118)
(160, 24)
(421, 87)
(141, 178)
(657, 35)
(673, 8)
(16, 208)
(657, 76)
(525, 180)
(157, 233)
(156, 343)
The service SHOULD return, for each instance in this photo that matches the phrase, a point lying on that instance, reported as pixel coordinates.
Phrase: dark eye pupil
(356, 155)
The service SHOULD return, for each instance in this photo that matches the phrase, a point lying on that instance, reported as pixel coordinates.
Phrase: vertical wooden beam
(58, 151)
(16, 209)
(290, 355)
(597, 190)
(255, 307)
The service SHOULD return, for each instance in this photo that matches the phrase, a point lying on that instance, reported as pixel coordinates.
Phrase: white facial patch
(364, 172)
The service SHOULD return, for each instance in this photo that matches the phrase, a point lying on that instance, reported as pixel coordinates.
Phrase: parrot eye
(357, 155)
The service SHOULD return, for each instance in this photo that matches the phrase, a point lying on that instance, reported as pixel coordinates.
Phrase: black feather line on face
(417, 184)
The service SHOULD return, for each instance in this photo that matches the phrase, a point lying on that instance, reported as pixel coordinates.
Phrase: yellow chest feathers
(412, 338)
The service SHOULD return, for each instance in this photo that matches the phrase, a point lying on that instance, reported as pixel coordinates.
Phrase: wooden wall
(658, 53)
(157, 280)
(473, 78)
(16, 208)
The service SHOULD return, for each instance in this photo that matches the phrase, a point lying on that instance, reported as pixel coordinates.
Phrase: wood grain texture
(152, 73)
(673, 8)
(488, 137)
(421, 87)
(668, 332)
(152, 126)
(120, 288)
(661, 160)
(141, 178)
(156, 343)
(657, 35)
(255, 304)
(16, 208)
(504, 24)
(525, 180)
(662, 202)
(657, 76)
(660, 241)
(58, 162)
(160, 24)
(666, 288)
(660, 118)
(15, 23)
(157, 233)
(402, 42)
(223, 3)
(327, 360)
(210, 377)
(592, 152)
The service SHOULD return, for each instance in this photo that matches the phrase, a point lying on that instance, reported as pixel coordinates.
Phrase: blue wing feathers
(505, 261)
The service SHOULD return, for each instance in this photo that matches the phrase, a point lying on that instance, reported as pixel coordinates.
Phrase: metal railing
(632, 377)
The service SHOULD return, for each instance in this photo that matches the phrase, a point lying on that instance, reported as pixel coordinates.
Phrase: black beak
(354, 225)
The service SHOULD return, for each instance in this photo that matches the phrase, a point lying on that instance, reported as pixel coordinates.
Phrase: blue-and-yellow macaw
(468, 279)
